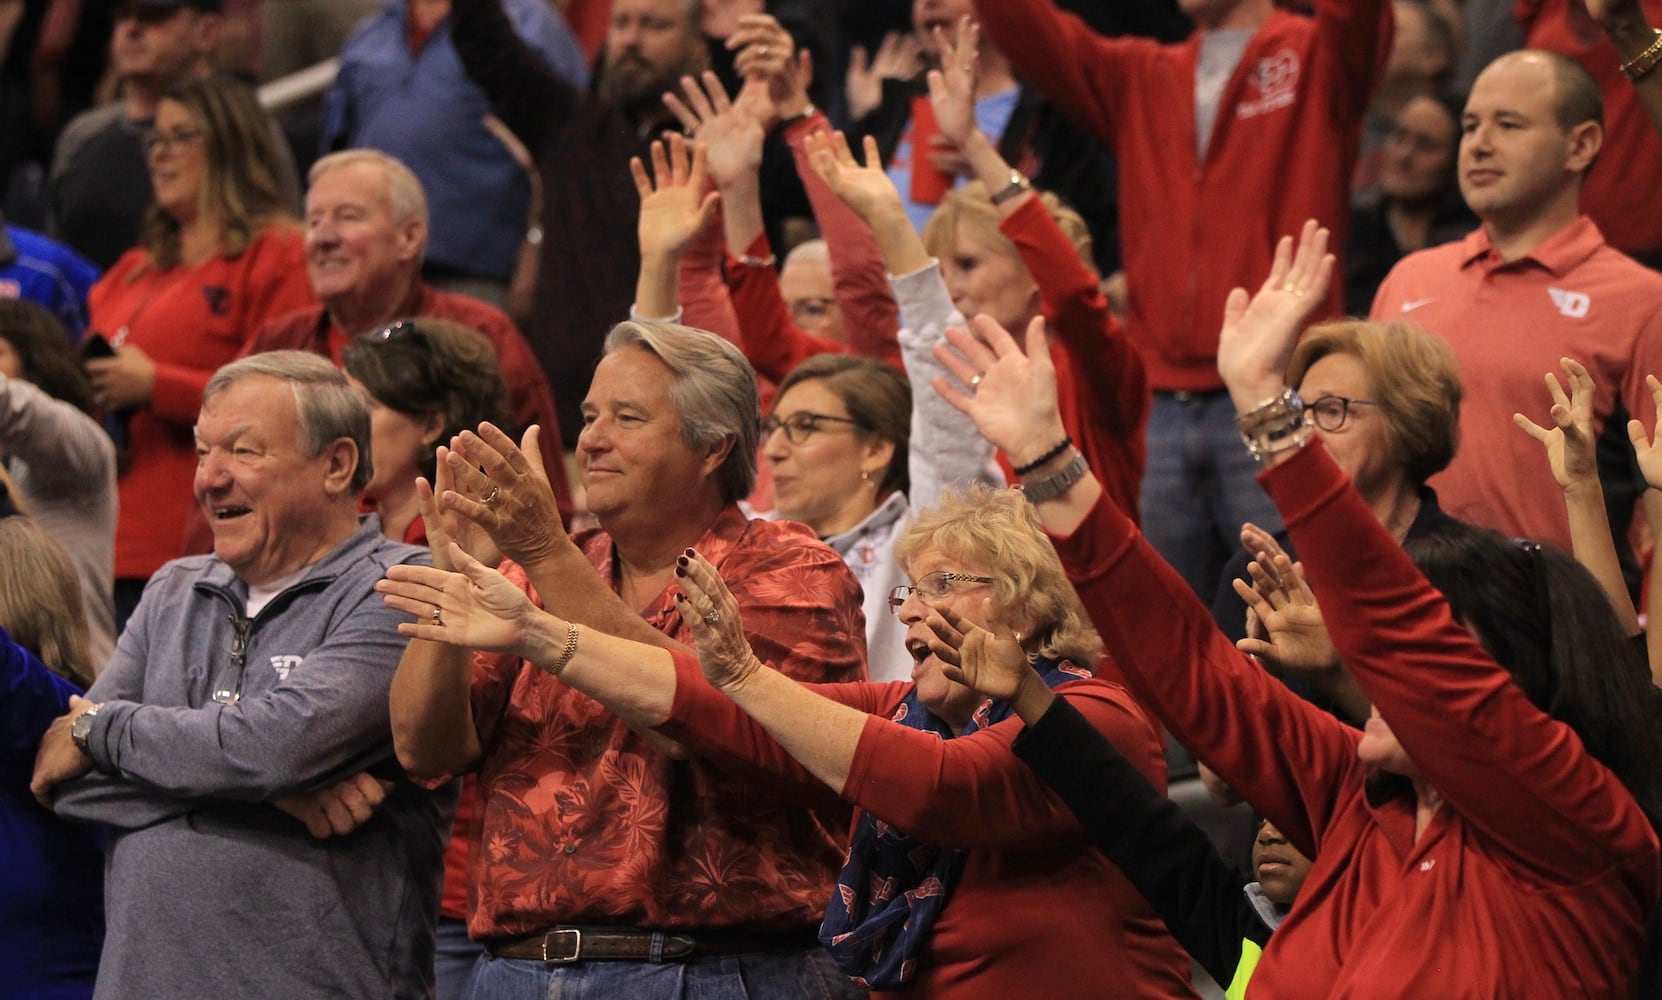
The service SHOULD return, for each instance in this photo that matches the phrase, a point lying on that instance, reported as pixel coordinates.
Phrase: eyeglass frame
(899, 593)
(804, 424)
(156, 140)
(1312, 410)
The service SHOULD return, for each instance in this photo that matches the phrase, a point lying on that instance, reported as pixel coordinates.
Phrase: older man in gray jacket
(249, 693)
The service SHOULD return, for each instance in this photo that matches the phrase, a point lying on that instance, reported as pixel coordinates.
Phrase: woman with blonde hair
(958, 859)
(51, 872)
(220, 254)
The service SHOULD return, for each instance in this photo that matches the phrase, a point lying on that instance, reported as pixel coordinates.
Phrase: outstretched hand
(712, 614)
(676, 201)
(476, 608)
(730, 132)
(992, 661)
(952, 87)
(1008, 392)
(1259, 331)
(1646, 447)
(1569, 443)
(444, 525)
(899, 57)
(865, 189)
(767, 55)
(1280, 598)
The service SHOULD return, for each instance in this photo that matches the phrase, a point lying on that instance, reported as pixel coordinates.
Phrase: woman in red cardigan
(1490, 833)
(964, 878)
(219, 255)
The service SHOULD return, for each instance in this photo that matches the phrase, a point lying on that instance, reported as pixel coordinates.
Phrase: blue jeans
(453, 962)
(1199, 487)
(774, 975)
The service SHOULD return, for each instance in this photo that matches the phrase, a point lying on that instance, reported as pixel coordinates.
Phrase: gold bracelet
(1645, 63)
(570, 650)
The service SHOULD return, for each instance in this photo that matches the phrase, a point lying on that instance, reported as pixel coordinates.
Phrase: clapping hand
(712, 614)
(476, 608)
(502, 488)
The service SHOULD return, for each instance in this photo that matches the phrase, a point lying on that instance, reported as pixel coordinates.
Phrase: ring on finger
(712, 617)
(438, 618)
(490, 498)
(975, 381)
(761, 50)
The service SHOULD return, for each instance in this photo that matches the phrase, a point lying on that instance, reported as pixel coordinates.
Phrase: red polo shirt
(1509, 323)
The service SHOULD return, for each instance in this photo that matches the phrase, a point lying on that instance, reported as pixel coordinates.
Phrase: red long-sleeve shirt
(1194, 227)
(1535, 876)
(1037, 912)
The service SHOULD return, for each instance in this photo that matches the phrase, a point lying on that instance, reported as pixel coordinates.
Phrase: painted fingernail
(688, 554)
(680, 571)
(681, 560)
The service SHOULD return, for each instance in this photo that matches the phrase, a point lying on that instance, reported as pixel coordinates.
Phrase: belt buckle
(576, 937)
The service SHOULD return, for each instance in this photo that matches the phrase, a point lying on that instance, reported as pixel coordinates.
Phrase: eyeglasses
(799, 425)
(156, 141)
(228, 688)
(1330, 412)
(395, 330)
(931, 588)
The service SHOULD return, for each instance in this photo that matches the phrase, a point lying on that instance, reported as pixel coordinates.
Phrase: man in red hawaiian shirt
(606, 862)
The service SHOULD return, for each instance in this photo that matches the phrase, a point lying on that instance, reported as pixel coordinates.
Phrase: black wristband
(1022, 470)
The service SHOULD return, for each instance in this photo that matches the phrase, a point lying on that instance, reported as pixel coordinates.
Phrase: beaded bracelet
(1022, 470)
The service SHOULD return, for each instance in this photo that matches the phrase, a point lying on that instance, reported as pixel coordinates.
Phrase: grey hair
(405, 194)
(714, 394)
(329, 408)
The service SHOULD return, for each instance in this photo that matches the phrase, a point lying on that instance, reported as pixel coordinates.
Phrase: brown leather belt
(564, 945)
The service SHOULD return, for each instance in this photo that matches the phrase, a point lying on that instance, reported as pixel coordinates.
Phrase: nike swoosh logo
(1409, 307)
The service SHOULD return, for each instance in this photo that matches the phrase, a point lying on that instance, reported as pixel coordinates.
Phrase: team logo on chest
(1275, 82)
(1571, 304)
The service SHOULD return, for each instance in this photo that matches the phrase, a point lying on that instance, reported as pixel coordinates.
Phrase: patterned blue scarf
(892, 887)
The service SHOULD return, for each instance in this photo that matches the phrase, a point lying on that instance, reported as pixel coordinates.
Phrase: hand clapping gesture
(476, 608)
(502, 489)
(712, 613)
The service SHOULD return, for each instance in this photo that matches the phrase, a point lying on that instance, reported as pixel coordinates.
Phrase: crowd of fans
(769, 498)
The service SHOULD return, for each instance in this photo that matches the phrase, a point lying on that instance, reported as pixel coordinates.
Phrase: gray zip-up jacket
(211, 892)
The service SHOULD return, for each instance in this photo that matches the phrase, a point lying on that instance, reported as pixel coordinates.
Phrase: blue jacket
(48, 274)
(424, 109)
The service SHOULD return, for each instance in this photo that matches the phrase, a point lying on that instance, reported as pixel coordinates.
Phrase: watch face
(81, 728)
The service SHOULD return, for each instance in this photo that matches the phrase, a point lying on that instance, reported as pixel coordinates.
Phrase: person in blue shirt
(402, 89)
(45, 272)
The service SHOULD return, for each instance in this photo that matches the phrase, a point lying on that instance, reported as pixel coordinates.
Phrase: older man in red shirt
(366, 231)
(606, 863)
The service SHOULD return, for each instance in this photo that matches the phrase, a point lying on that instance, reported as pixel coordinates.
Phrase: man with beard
(582, 144)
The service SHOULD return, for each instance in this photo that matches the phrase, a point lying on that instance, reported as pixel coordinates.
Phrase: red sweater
(1037, 912)
(1101, 385)
(190, 321)
(1535, 877)
(1281, 152)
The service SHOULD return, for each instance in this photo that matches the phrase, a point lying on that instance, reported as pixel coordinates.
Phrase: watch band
(1055, 485)
(80, 728)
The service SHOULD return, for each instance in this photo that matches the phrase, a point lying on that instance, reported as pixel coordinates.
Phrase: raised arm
(531, 99)
(1638, 45)
(1571, 447)
(1649, 451)
(676, 205)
